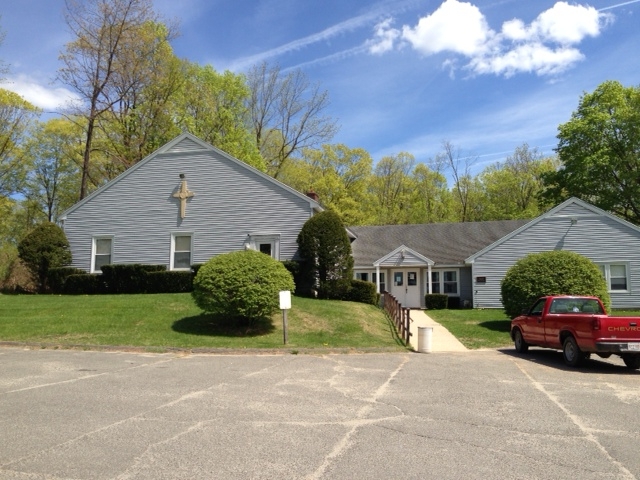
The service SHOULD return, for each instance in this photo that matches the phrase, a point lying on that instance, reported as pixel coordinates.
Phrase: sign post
(285, 304)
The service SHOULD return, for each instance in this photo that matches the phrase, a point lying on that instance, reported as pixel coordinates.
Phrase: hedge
(124, 279)
(436, 301)
(58, 276)
(363, 292)
(169, 282)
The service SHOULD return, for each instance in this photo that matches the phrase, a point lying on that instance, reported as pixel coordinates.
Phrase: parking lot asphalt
(479, 414)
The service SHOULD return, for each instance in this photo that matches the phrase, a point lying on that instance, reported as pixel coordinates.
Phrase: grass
(476, 328)
(487, 328)
(162, 322)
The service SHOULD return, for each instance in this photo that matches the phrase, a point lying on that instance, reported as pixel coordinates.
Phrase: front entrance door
(405, 287)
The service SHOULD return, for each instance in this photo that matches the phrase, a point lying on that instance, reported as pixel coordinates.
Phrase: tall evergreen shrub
(326, 250)
(45, 247)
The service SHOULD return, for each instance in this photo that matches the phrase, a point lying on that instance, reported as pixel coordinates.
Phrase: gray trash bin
(425, 336)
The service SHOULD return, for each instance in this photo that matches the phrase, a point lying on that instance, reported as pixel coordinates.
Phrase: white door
(405, 287)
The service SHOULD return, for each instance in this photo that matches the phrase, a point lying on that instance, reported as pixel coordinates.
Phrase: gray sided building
(468, 261)
(184, 204)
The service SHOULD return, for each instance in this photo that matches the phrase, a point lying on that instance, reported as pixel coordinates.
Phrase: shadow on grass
(213, 326)
(497, 325)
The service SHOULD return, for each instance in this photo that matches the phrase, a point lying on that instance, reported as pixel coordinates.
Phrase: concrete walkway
(441, 339)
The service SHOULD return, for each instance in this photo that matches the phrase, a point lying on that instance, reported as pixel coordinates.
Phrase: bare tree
(287, 114)
(103, 63)
(460, 168)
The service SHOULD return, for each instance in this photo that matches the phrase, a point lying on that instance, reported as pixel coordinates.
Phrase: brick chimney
(313, 195)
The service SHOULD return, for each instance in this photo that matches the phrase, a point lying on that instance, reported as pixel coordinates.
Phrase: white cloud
(569, 24)
(455, 26)
(46, 98)
(384, 38)
(529, 57)
(547, 46)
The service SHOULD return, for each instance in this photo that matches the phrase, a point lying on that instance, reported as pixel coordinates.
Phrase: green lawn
(476, 328)
(159, 322)
(487, 328)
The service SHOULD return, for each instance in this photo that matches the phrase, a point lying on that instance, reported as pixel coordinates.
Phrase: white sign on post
(285, 304)
(285, 300)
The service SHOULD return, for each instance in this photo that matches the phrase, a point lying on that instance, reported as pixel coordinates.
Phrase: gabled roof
(399, 254)
(442, 243)
(554, 213)
(192, 143)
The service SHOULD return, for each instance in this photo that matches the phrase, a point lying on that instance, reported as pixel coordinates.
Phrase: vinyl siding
(601, 238)
(230, 203)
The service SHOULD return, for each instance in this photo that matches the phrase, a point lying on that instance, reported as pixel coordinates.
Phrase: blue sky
(402, 75)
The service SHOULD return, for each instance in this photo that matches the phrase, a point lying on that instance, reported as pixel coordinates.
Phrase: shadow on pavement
(553, 359)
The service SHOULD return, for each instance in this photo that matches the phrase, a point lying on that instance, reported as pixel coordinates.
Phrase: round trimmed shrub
(551, 273)
(45, 247)
(241, 285)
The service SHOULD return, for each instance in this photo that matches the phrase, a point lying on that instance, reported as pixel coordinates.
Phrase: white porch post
(429, 279)
(377, 278)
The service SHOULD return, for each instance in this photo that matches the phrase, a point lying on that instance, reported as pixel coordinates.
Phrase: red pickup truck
(579, 326)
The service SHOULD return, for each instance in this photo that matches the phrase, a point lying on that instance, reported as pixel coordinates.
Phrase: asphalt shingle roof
(444, 243)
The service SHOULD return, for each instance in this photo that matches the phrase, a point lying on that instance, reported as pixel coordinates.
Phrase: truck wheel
(518, 341)
(571, 352)
(632, 361)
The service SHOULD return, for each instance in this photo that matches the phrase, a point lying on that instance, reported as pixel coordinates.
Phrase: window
(435, 282)
(266, 248)
(412, 278)
(268, 244)
(181, 247)
(364, 276)
(383, 286)
(102, 253)
(450, 282)
(616, 275)
(538, 307)
(398, 279)
(445, 281)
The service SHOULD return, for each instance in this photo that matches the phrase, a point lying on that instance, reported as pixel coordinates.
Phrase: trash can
(425, 335)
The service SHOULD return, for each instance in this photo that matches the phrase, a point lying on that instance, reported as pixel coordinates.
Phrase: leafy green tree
(16, 117)
(109, 55)
(432, 201)
(339, 175)
(392, 189)
(511, 189)
(53, 179)
(326, 251)
(556, 272)
(141, 120)
(213, 106)
(599, 149)
(242, 285)
(45, 247)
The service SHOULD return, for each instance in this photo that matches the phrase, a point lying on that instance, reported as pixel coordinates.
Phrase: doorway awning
(403, 256)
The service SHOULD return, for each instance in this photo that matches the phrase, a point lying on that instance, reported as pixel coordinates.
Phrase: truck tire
(571, 352)
(518, 341)
(632, 361)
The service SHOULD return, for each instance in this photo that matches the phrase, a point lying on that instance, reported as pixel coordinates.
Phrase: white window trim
(441, 279)
(93, 250)
(607, 275)
(173, 250)
(255, 239)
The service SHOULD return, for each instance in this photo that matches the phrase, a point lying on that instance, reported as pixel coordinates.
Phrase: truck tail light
(595, 323)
